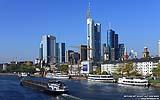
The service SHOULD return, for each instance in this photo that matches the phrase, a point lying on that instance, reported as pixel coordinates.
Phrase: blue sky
(23, 22)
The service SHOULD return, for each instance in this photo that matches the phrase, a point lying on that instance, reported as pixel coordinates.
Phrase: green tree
(20, 68)
(64, 68)
(126, 69)
(104, 73)
(156, 71)
(98, 70)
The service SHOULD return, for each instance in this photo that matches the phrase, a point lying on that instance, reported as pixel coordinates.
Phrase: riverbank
(8, 74)
(78, 78)
(155, 85)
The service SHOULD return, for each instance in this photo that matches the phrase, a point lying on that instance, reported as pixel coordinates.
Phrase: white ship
(133, 81)
(105, 78)
(57, 76)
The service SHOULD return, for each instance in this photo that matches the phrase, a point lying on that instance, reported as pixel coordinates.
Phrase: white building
(145, 68)
(159, 48)
(86, 67)
(74, 69)
(48, 49)
(109, 68)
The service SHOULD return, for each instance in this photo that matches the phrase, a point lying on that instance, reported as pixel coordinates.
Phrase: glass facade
(121, 51)
(48, 49)
(62, 53)
(112, 43)
(97, 42)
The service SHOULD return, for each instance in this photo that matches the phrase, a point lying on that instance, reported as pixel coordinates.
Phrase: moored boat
(60, 76)
(133, 81)
(103, 78)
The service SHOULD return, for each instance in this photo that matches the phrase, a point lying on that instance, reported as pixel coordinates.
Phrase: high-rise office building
(112, 44)
(97, 41)
(48, 49)
(103, 50)
(121, 51)
(93, 38)
(132, 54)
(62, 52)
(57, 53)
(83, 52)
(116, 46)
(68, 56)
(159, 48)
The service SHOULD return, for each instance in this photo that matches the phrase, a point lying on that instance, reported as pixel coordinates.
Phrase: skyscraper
(112, 44)
(97, 41)
(62, 53)
(121, 51)
(159, 48)
(93, 38)
(83, 52)
(48, 49)
(57, 53)
(68, 56)
(103, 50)
(90, 35)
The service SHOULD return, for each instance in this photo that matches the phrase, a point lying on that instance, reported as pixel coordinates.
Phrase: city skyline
(23, 24)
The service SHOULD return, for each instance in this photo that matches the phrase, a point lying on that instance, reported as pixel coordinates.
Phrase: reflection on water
(79, 90)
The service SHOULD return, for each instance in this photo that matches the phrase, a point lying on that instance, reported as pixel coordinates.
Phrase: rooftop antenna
(89, 10)
(109, 25)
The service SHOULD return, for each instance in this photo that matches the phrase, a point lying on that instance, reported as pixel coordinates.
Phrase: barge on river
(51, 87)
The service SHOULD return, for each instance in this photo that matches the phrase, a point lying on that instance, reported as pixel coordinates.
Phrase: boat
(133, 81)
(56, 87)
(103, 78)
(50, 87)
(22, 74)
(49, 75)
(60, 76)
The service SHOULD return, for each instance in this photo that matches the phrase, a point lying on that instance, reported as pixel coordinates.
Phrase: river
(78, 90)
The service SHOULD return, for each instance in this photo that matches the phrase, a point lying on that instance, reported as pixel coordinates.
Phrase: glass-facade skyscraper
(121, 51)
(57, 53)
(112, 44)
(62, 52)
(47, 50)
(83, 52)
(93, 39)
(97, 41)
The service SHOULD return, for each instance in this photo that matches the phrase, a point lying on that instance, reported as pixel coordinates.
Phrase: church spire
(89, 10)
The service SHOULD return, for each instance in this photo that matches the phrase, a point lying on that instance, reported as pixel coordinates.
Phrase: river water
(78, 90)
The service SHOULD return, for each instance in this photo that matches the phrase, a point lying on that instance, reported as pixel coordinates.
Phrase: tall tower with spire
(93, 38)
(90, 34)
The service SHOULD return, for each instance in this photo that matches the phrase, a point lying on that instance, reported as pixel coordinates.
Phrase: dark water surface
(79, 90)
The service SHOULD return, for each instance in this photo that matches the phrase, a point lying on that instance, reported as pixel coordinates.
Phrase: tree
(98, 70)
(104, 73)
(156, 71)
(126, 69)
(64, 68)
